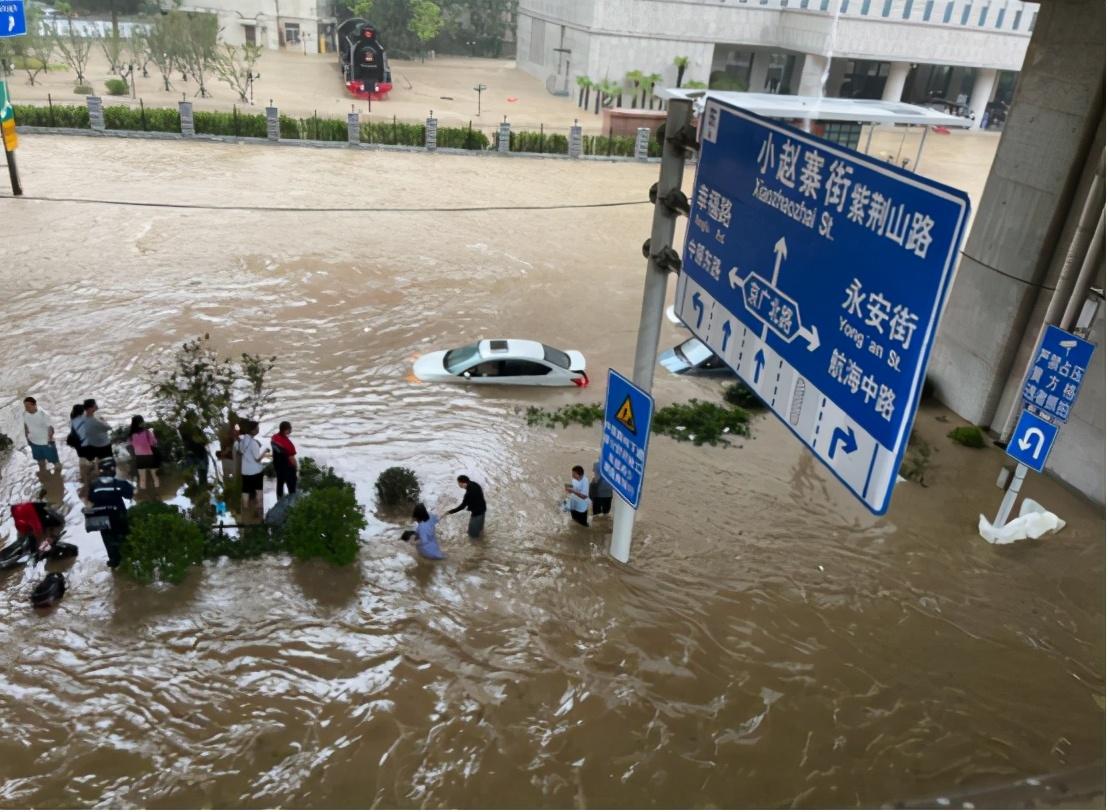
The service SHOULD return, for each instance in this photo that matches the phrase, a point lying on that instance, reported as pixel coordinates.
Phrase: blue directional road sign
(628, 412)
(818, 275)
(1057, 369)
(13, 18)
(1032, 440)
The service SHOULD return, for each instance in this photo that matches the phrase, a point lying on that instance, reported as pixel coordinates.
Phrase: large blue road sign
(13, 18)
(628, 412)
(1032, 440)
(1057, 369)
(819, 274)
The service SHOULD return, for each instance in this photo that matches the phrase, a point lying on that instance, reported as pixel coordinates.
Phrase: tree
(584, 83)
(426, 21)
(235, 66)
(139, 52)
(682, 63)
(488, 20)
(37, 48)
(208, 390)
(112, 7)
(159, 46)
(360, 8)
(635, 77)
(199, 33)
(650, 80)
(74, 48)
(112, 45)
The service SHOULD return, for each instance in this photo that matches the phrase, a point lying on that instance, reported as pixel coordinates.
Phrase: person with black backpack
(109, 512)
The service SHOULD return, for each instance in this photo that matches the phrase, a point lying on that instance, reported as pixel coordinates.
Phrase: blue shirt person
(426, 543)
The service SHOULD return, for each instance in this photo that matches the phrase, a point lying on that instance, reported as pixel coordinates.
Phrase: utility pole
(660, 261)
(480, 89)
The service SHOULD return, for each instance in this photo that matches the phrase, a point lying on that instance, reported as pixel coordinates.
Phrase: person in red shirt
(284, 459)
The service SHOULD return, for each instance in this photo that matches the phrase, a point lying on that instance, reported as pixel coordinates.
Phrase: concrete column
(894, 84)
(811, 75)
(982, 93)
(758, 70)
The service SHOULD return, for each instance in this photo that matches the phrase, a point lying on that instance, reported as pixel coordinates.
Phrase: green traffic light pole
(9, 154)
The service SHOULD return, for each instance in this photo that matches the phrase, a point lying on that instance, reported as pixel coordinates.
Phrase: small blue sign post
(13, 18)
(628, 412)
(1056, 372)
(818, 274)
(1032, 440)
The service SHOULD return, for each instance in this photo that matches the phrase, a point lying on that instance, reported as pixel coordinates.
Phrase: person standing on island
(39, 431)
(474, 502)
(107, 493)
(284, 459)
(578, 490)
(96, 438)
(145, 446)
(253, 463)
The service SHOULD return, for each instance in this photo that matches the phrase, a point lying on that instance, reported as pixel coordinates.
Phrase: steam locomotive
(365, 66)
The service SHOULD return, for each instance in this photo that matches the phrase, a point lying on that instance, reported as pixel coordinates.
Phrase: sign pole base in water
(654, 294)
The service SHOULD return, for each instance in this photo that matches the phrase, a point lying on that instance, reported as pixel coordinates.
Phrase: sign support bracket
(654, 291)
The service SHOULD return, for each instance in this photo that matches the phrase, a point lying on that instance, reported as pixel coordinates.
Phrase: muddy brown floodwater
(771, 643)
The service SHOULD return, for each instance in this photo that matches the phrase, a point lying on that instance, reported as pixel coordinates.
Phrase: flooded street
(771, 643)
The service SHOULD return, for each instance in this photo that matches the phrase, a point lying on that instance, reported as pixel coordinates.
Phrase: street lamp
(479, 88)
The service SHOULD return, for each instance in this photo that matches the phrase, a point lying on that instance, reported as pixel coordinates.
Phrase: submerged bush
(117, 87)
(969, 436)
(312, 475)
(739, 394)
(5, 443)
(582, 414)
(701, 422)
(252, 542)
(325, 523)
(161, 543)
(397, 487)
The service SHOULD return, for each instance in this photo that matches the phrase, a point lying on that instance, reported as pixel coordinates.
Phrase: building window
(865, 6)
(984, 13)
(966, 12)
(949, 11)
(928, 6)
(804, 3)
(1000, 18)
(844, 7)
(888, 7)
(1034, 16)
(907, 9)
(823, 4)
(1016, 19)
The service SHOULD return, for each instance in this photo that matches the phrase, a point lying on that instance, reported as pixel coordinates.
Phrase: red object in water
(379, 92)
(513, 98)
(27, 520)
(941, 130)
(583, 381)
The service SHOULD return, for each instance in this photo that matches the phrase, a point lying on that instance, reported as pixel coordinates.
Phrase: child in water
(426, 543)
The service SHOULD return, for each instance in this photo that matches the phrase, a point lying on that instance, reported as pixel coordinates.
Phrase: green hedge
(318, 128)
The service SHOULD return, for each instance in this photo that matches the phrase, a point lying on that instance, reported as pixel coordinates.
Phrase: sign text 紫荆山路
(1056, 372)
(818, 274)
(628, 412)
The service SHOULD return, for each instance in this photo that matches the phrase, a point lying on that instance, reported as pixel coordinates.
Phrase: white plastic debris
(1034, 521)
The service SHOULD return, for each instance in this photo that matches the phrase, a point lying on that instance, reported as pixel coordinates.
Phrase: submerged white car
(504, 361)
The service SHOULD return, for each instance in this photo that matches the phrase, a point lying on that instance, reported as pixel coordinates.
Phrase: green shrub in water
(161, 544)
(170, 447)
(83, 90)
(701, 422)
(969, 436)
(582, 414)
(253, 541)
(739, 394)
(5, 443)
(397, 487)
(325, 523)
(312, 475)
(61, 115)
(117, 87)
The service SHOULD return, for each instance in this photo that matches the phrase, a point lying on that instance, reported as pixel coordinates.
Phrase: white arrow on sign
(1025, 441)
(11, 23)
(781, 250)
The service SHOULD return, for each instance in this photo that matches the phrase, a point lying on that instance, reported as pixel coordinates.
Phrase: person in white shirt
(39, 431)
(578, 491)
(253, 462)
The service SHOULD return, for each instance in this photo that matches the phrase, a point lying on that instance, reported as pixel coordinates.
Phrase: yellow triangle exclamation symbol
(626, 416)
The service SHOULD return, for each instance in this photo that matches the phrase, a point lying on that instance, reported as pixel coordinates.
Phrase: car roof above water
(511, 348)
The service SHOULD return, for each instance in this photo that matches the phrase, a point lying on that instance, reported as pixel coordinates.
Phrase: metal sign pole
(654, 293)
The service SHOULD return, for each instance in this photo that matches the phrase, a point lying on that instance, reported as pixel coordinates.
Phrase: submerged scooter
(38, 533)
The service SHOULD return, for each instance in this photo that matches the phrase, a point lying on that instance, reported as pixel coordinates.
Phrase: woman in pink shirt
(144, 444)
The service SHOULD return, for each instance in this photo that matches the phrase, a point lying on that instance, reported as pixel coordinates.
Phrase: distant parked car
(693, 356)
(504, 361)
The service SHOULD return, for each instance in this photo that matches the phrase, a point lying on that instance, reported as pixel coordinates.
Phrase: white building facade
(897, 50)
(307, 26)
